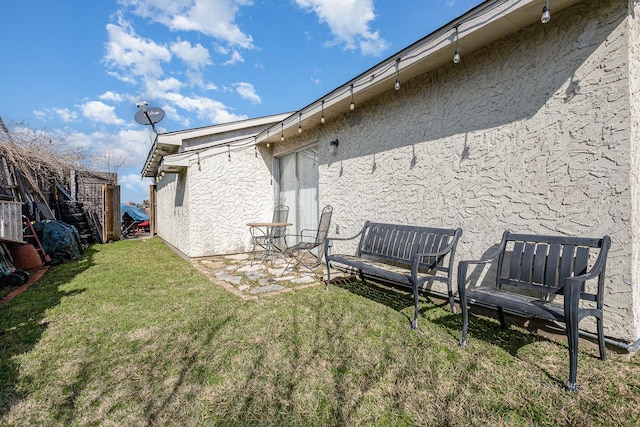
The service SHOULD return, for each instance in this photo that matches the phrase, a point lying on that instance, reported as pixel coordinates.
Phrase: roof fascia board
(489, 21)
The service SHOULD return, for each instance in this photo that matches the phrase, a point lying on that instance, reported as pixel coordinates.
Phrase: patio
(249, 279)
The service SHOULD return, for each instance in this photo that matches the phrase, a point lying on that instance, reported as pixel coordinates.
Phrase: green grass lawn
(132, 335)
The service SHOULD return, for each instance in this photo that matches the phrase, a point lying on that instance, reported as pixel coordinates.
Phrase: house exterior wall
(229, 194)
(173, 211)
(204, 212)
(531, 134)
(634, 85)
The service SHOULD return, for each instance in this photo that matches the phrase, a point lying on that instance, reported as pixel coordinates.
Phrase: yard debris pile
(40, 172)
(37, 198)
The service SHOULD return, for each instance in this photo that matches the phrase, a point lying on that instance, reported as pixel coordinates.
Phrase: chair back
(280, 214)
(323, 225)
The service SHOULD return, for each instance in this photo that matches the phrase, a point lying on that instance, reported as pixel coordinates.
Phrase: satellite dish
(149, 115)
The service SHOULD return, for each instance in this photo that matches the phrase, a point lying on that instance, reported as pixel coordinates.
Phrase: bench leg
(571, 299)
(465, 318)
(503, 322)
(361, 275)
(452, 302)
(601, 344)
(462, 294)
(414, 324)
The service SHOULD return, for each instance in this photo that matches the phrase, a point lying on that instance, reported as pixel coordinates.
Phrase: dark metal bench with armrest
(533, 272)
(404, 254)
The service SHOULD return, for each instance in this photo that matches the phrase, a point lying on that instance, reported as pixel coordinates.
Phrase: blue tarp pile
(134, 212)
(59, 240)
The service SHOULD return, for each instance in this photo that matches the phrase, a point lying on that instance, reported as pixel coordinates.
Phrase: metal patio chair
(308, 241)
(259, 236)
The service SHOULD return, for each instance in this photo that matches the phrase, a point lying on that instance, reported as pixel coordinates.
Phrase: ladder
(27, 225)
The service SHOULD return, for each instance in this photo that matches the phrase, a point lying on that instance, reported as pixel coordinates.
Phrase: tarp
(134, 212)
(59, 240)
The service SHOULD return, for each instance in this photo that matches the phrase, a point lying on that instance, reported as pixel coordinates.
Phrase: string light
(546, 15)
(229, 150)
(353, 105)
(299, 122)
(268, 143)
(322, 117)
(199, 167)
(397, 85)
(282, 132)
(456, 55)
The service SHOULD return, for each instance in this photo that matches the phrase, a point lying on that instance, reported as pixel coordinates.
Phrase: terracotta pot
(26, 257)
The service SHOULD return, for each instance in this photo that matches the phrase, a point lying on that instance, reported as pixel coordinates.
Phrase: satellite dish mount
(148, 115)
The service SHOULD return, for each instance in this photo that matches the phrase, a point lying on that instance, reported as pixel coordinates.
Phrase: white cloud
(215, 18)
(236, 57)
(155, 88)
(111, 96)
(247, 91)
(195, 57)
(131, 55)
(100, 112)
(42, 115)
(349, 23)
(128, 147)
(66, 115)
(134, 183)
(205, 108)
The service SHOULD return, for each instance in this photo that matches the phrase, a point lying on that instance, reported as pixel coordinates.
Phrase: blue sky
(76, 68)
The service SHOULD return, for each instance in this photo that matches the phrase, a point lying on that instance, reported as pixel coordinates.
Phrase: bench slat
(540, 263)
(582, 260)
(516, 260)
(526, 271)
(566, 262)
(553, 260)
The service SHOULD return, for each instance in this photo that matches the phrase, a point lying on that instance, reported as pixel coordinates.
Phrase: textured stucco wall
(229, 194)
(531, 134)
(172, 210)
(223, 195)
(634, 80)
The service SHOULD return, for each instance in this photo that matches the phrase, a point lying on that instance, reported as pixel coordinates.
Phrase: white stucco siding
(173, 211)
(532, 134)
(634, 89)
(229, 194)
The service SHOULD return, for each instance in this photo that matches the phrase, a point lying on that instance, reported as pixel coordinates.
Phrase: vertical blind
(298, 189)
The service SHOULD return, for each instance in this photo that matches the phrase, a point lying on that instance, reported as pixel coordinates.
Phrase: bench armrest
(328, 240)
(415, 259)
(464, 265)
(573, 285)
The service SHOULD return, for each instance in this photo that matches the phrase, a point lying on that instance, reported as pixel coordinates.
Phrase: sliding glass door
(298, 188)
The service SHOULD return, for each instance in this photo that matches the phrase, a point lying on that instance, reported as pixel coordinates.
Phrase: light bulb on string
(546, 15)
(322, 116)
(397, 85)
(282, 132)
(268, 143)
(229, 150)
(299, 122)
(456, 55)
(352, 106)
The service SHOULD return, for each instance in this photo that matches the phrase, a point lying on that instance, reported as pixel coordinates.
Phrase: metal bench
(402, 254)
(549, 277)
